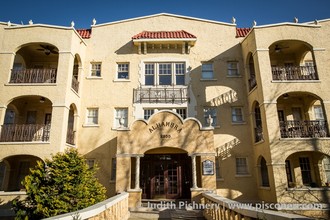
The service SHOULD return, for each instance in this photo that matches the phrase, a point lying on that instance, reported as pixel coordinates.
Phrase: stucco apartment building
(170, 106)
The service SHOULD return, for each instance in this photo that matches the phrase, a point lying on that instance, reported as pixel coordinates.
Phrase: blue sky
(60, 12)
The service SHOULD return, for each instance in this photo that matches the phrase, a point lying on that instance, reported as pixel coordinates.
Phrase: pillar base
(134, 198)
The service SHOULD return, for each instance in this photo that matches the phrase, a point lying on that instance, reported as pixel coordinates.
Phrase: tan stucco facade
(243, 116)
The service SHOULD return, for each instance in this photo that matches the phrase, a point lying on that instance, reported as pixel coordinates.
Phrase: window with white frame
(326, 166)
(207, 71)
(92, 116)
(318, 113)
(210, 113)
(122, 71)
(306, 172)
(182, 112)
(237, 114)
(147, 113)
(164, 73)
(121, 117)
(241, 166)
(232, 68)
(96, 69)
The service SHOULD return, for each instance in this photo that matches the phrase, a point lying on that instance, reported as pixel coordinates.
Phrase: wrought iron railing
(75, 84)
(70, 136)
(258, 134)
(294, 73)
(25, 132)
(33, 76)
(252, 82)
(303, 129)
(161, 95)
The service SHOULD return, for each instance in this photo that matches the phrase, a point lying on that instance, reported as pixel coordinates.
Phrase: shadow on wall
(104, 162)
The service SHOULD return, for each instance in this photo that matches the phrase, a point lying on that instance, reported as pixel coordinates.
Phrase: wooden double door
(165, 176)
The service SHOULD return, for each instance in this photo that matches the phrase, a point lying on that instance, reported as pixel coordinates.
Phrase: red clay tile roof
(242, 32)
(163, 35)
(84, 33)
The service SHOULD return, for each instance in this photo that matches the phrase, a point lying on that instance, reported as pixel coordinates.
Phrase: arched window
(264, 172)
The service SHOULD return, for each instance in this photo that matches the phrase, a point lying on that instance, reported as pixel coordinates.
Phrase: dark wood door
(161, 176)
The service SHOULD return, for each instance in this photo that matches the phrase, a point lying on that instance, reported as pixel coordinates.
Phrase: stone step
(147, 213)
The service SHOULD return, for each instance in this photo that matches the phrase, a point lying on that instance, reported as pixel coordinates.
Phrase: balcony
(252, 82)
(75, 84)
(161, 95)
(33, 76)
(70, 136)
(25, 133)
(294, 73)
(303, 129)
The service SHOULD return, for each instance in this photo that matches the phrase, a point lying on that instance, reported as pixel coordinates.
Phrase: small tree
(60, 185)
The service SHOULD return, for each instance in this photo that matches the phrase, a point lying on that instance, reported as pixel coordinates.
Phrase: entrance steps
(168, 209)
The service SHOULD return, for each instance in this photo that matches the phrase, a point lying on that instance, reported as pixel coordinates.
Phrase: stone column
(137, 172)
(194, 172)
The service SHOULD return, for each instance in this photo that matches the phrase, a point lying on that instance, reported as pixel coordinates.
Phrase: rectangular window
(318, 113)
(121, 117)
(232, 69)
(218, 172)
(149, 74)
(237, 114)
(180, 70)
(96, 69)
(207, 71)
(210, 114)
(326, 166)
(9, 117)
(288, 172)
(148, 113)
(90, 163)
(241, 166)
(31, 117)
(123, 71)
(182, 112)
(113, 169)
(165, 74)
(305, 168)
(92, 116)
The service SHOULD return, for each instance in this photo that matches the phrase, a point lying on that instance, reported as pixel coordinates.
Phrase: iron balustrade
(161, 95)
(252, 82)
(25, 132)
(75, 84)
(258, 134)
(70, 136)
(303, 129)
(33, 76)
(294, 73)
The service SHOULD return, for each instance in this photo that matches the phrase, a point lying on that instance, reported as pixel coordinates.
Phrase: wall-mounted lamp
(42, 100)
(286, 96)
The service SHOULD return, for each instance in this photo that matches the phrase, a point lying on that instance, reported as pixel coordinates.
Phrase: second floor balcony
(33, 75)
(161, 95)
(294, 73)
(25, 133)
(303, 129)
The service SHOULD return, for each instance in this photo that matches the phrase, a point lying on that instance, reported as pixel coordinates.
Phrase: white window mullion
(173, 74)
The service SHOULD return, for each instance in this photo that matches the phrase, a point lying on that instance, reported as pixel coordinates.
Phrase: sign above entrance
(208, 167)
(165, 124)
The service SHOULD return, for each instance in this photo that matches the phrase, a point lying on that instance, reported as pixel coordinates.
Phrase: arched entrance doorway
(165, 175)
